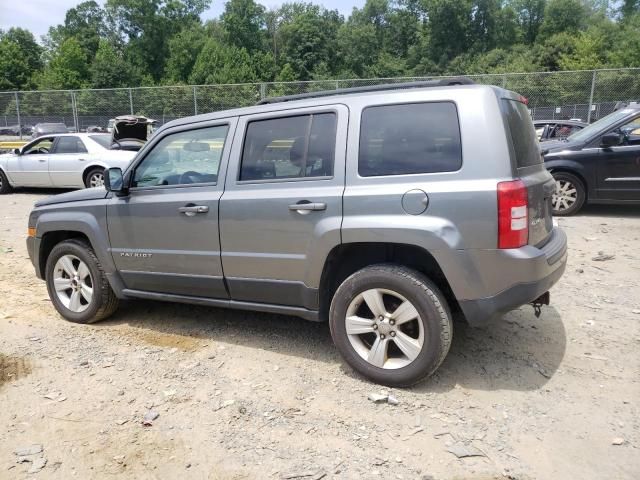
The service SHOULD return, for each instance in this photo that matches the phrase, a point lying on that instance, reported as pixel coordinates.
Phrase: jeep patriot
(381, 210)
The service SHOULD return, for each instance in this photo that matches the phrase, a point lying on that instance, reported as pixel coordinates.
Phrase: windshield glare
(603, 124)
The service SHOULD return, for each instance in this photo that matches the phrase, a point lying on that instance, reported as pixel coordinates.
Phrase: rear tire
(409, 335)
(570, 194)
(95, 178)
(4, 184)
(77, 285)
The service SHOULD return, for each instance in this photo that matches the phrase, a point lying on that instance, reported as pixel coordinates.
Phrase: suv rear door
(280, 161)
(529, 167)
(164, 234)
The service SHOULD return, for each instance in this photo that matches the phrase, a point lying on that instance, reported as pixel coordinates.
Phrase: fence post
(263, 91)
(504, 81)
(18, 112)
(74, 111)
(593, 87)
(195, 102)
(131, 100)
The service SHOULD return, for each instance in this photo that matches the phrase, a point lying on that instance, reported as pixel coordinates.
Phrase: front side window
(183, 158)
(70, 145)
(42, 145)
(408, 139)
(631, 132)
(291, 147)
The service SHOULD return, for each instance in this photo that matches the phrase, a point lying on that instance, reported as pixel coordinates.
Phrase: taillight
(513, 218)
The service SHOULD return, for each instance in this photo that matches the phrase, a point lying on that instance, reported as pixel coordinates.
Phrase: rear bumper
(543, 265)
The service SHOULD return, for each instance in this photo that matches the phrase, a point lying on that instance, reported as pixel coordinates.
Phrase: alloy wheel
(73, 283)
(384, 328)
(565, 196)
(96, 180)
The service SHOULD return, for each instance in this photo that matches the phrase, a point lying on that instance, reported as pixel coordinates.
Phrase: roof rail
(440, 82)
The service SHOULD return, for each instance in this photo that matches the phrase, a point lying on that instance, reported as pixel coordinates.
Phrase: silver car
(61, 161)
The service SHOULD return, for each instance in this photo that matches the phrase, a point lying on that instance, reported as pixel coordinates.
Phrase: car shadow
(518, 352)
(617, 211)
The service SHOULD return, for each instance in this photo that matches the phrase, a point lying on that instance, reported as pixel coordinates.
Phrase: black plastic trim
(280, 292)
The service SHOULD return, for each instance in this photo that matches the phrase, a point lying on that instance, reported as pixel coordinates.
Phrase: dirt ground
(250, 395)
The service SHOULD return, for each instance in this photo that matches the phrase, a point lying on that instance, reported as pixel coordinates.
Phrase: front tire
(5, 187)
(77, 285)
(569, 196)
(391, 324)
(95, 178)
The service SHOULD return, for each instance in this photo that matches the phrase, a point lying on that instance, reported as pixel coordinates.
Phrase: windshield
(601, 125)
(103, 140)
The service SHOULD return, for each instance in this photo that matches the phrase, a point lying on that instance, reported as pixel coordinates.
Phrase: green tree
(20, 59)
(244, 22)
(110, 69)
(449, 29)
(307, 37)
(563, 16)
(148, 25)
(530, 15)
(184, 49)
(68, 69)
(218, 63)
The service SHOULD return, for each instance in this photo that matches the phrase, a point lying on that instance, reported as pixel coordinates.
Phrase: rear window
(522, 133)
(410, 138)
(103, 140)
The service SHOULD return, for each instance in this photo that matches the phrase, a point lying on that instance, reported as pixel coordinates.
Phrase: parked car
(41, 129)
(380, 209)
(65, 161)
(15, 130)
(557, 129)
(130, 132)
(598, 164)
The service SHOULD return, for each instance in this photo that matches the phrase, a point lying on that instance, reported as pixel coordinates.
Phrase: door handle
(192, 210)
(308, 207)
(42, 160)
(81, 159)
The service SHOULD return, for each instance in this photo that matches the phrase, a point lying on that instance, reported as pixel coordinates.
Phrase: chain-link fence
(587, 95)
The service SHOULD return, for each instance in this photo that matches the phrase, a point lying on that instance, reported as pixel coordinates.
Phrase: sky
(38, 15)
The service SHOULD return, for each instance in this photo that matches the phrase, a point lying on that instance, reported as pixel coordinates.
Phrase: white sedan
(75, 160)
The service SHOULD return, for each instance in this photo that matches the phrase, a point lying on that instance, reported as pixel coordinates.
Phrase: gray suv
(382, 210)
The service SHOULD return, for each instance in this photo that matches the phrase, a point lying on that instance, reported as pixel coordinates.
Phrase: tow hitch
(543, 299)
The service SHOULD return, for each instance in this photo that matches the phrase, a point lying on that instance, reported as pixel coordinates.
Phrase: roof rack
(441, 82)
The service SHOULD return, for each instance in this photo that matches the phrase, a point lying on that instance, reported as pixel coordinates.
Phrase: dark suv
(599, 164)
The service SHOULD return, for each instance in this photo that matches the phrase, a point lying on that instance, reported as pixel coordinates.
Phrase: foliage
(120, 43)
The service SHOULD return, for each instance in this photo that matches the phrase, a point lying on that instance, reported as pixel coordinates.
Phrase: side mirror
(114, 181)
(17, 151)
(611, 139)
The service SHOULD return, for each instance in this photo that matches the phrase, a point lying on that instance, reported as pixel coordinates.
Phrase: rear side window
(411, 138)
(290, 147)
(102, 140)
(522, 133)
(70, 145)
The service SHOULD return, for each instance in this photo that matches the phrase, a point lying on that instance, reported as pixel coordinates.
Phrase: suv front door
(164, 233)
(282, 206)
(618, 168)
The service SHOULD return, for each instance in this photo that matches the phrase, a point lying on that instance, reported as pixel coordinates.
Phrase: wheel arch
(50, 239)
(87, 170)
(345, 259)
(575, 172)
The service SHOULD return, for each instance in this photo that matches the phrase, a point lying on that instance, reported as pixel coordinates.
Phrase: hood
(555, 146)
(75, 196)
